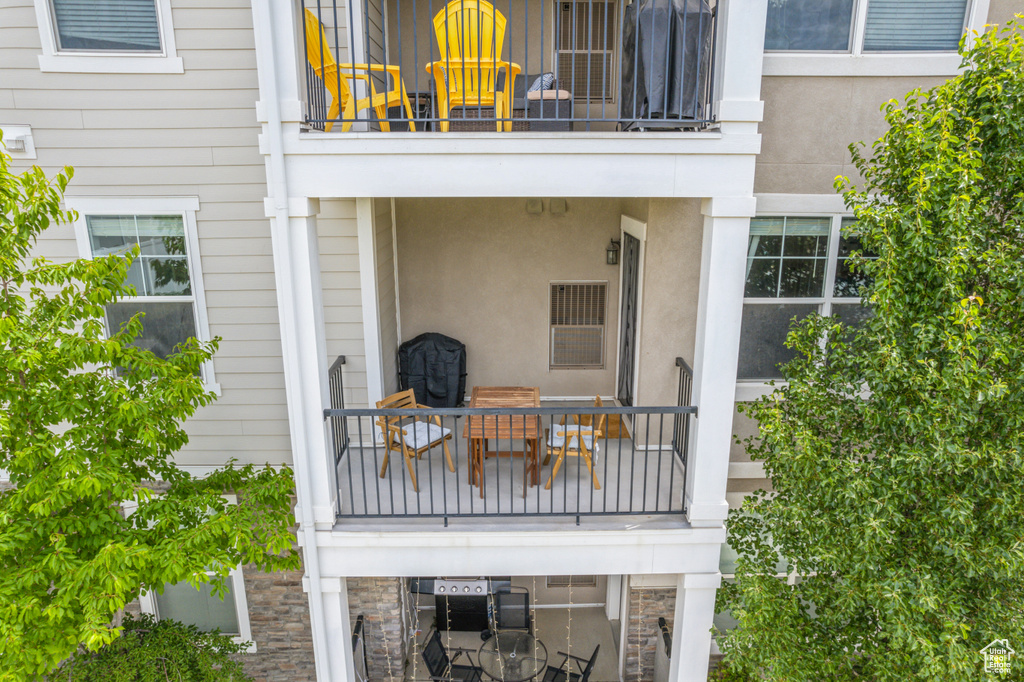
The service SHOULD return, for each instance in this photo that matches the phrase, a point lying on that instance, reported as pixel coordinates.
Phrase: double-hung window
(865, 26)
(166, 274)
(203, 609)
(868, 37)
(107, 36)
(796, 265)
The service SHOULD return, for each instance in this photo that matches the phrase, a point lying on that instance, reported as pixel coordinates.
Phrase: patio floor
(587, 628)
(633, 480)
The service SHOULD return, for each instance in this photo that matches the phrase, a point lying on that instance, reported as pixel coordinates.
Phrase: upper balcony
(516, 66)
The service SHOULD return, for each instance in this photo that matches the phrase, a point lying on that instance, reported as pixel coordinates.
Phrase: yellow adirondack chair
(339, 80)
(470, 35)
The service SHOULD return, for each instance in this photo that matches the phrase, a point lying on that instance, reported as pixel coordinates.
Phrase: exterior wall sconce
(612, 252)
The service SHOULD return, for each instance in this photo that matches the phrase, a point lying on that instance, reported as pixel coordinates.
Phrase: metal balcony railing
(514, 65)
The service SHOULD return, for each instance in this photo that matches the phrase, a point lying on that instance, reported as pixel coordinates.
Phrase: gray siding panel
(339, 274)
(191, 134)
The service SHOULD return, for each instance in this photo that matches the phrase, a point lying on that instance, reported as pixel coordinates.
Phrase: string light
(568, 628)
(383, 633)
(415, 630)
(536, 623)
(639, 633)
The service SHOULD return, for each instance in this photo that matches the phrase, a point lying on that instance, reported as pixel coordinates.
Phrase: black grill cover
(668, 43)
(434, 367)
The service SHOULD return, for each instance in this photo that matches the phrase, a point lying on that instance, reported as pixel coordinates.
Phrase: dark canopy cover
(434, 367)
(666, 59)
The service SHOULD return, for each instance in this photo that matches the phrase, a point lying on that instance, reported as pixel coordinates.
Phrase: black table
(512, 656)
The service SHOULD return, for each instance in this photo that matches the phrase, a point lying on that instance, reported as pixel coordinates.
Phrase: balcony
(516, 66)
(635, 466)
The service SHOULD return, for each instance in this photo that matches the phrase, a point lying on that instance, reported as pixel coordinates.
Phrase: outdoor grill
(461, 603)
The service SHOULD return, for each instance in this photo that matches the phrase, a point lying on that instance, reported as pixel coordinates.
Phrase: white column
(304, 356)
(303, 346)
(338, 627)
(719, 312)
(691, 629)
(740, 51)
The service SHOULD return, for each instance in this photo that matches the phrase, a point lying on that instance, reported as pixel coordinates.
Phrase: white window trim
(186, 207)
(147, 604)
(858, 63)
(78, 61)
(797, 206)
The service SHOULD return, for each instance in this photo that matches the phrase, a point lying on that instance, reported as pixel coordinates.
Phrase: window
(795, 266)
(577, 325)
(166, 274)
(186, 604)
(585, 34)
(106, 25)
(820, 25)
(867, 26)
(107, 36)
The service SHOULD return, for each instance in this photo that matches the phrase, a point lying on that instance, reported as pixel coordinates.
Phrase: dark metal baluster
(590, 58)
(636, 58)
(352, 59)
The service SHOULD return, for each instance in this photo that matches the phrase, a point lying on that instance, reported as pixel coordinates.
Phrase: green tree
(896, 450)
(88, 423)
(151, 651)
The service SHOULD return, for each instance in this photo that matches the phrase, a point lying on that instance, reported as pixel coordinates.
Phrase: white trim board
(369, 300)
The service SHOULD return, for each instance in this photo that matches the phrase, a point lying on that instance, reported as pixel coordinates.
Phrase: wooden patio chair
(410, 436)
(577, 440)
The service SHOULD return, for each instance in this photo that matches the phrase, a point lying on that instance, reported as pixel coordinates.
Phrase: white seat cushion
(420, 434)
(559, 431)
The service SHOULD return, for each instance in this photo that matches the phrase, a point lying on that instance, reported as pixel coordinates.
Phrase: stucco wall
(810, 121)
(479, 270)
(671, 282)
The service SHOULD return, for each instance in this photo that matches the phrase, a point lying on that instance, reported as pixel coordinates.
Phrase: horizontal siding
(190, 134)
(339, 276)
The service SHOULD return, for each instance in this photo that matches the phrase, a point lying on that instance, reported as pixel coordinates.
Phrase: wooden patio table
(481, 428)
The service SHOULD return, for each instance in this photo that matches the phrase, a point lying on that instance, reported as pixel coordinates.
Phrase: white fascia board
(798, 204)
(481, 175)
(546, 144)
(884, 65)
(450, 552)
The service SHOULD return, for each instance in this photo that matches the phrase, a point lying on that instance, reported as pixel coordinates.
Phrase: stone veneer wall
(379, 601)
(645, 608)
(279, 617)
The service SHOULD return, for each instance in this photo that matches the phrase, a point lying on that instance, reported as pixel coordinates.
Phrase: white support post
(300, 312)
(739, 53)
(719, 313)
(691, 631)
(338, 624)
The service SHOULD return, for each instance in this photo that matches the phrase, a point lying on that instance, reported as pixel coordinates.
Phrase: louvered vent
(586, 33)
(577, 324)
(574, 580)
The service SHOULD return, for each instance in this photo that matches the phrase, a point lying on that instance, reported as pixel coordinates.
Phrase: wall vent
(578, 324)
